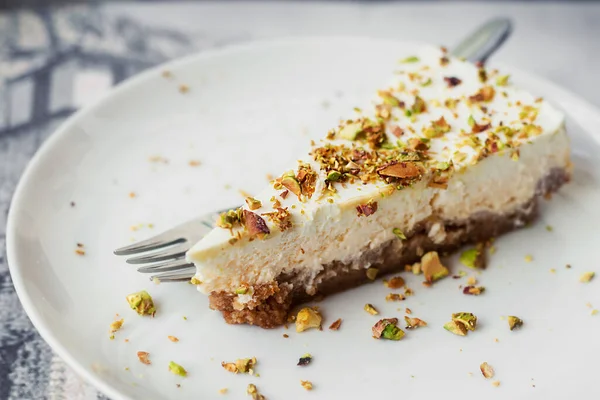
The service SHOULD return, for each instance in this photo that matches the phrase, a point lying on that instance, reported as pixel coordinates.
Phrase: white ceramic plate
(251, 110)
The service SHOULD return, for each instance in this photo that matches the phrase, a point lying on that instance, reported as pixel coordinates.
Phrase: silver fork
(169, 263)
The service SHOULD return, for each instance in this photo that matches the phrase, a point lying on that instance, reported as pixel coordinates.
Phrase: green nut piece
(467, 319)
(456, 328)
(392, 332)
(351, 131)
(372, 273)
(292, 184)
(399, 234)
(333, 176)
(177, 369)
(142, 303)
(514, 322)
(502, 80)
(412, 59)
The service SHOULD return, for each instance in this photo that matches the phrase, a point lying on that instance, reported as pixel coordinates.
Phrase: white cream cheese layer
(326, 228)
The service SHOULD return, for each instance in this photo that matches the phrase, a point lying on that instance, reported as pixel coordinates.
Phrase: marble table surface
(53, 61)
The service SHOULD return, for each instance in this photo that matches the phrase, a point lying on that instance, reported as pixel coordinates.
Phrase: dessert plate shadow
(149, 156)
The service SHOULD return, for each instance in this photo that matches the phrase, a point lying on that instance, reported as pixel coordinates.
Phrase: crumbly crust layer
(271, 303)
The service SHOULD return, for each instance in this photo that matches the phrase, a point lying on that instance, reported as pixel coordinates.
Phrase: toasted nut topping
(514, 322)
(456, 328)
(142, 303)
(242, 365)
(253, 204)
(395, 297)
(173, 339)
(308, 318)
(586, 277)
(336, 324)
(467, 319)
(399, 234)
(367, 209)
(292, 184)
(432, 267)
(502, 80)
(144, 357)
(487, 370)
(257, 227)
(400, 169)
(387, 329)
(394, 283)
(372, 273)
(177, 369)
(252, 390)
(305, 360)
(306, 385)
(413, 323)
(473, 290)
(474, 258)
(370, 309)
(452, 81)
(115, 326)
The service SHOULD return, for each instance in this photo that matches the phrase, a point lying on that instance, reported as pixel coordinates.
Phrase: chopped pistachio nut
(372, 273)
(115, 326)
(467, 319)
(586, 277)
(308, 318)
(370, 309)
(528, 258)
(497, 383)
(432, 267)
(474, 258)
(305, 359)
(177, 369)
(487, 370)
(395, 297)
(351, 131)
(195, 281)
(144, 357)
(399, 234)
(306, 385)
(173, 339)
(514, 322)
(333, 176)
(223, 391)
(253, 204)
(456, 327)
(241, 365)
(394, 283)
(502, 80)
(412, 59)
(387, 329)
(336, 324)
(416, 268)
(230, 219)
(413, 323)
(252, 390)
(473, 290)
(243, 289)
(142, 303)
(292, 184)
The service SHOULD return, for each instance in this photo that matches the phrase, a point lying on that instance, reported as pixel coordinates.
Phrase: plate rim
(565, 96)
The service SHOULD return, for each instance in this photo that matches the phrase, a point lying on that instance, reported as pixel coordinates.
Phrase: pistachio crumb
(528, 258)
(252, 390)
(496, 383)
(306, 385)
(386, 328)
(223, 391)
(241, 365)
(399, 234)
(305, 360)
(372, 273)
(177, 369)
(308, 318)
(432, 267)
(336, 324)
(184, 88)
(370, 309)
(413, 323)
(142, 303)
(586, 277)
(487, 370)
(514, 322)
(173, 339)
(396, 282)
(144, 357)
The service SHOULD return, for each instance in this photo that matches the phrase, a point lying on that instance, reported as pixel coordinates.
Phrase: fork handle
(482, 43)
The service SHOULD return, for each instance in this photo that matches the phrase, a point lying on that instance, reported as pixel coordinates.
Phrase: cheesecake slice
(449, 153)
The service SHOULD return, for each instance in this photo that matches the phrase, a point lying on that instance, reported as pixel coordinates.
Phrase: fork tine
(167, 254)
(176, 265)
(176, 276)
(153, 243)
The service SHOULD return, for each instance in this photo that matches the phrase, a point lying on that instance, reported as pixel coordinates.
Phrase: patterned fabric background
(55, 61)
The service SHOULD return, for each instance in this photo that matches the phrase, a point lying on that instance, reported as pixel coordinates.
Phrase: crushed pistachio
(241, 365)
(256, 226)
(474, 258)
(473, 290)
(336, 324)
(416, 268)
(253, 204)
(514, 322)
(467, 319)
(394, 283)
(411, 59)
(367, 209)
(223, 391)
(586, 277)
(370, 309)
(306, 385)
(487, 370)
(252, 390)
(195, 281)
(497, 383)
(372, 273)
(173, 339)
(144, 357)
(177, 369)
(502, 80)
(142, 303)
(456, 328)
(230, 219)
(399, 234)
(528, 258)
(305, 359)
(351, 131)
(115, 326)
(387, 329)
(395, 297)
(452, 81)
(413, 323)
(281, 217)
(432, 267)
(308, 318)
(242, 289)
